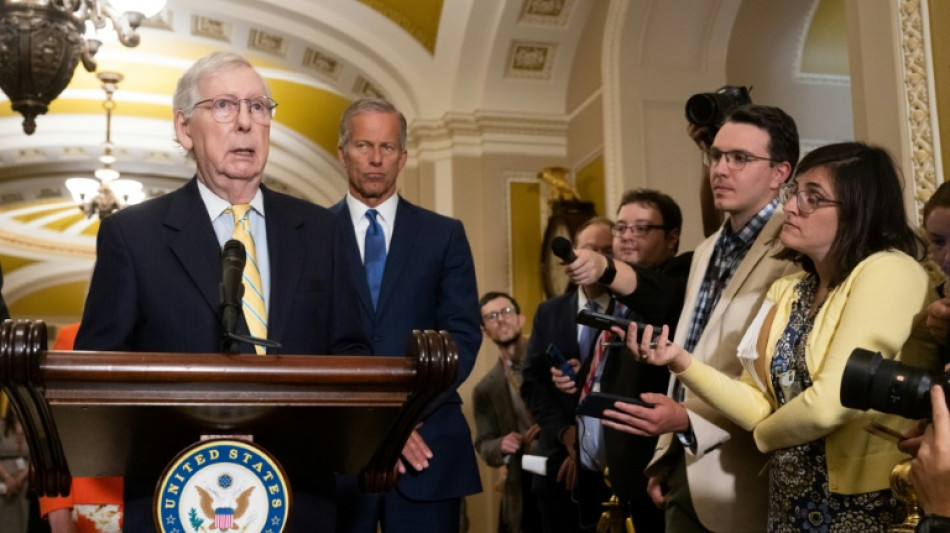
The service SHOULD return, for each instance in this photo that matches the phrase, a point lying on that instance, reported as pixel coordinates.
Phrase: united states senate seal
(222, 485)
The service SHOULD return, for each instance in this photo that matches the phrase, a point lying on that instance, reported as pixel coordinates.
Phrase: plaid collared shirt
(731, 248)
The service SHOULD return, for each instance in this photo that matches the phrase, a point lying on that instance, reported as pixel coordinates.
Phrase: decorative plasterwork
(161, 20)
(532, 60)
(921, 114)
(290, 53)
(322, 63)
(211, 28)
(482, 125)
(546, 12)
(270, 43)
(363, 88)
(25, 156)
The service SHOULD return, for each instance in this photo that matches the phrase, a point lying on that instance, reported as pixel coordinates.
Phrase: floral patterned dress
(799, 498)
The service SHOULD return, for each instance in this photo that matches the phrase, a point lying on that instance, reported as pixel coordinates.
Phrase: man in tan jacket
(504, 426)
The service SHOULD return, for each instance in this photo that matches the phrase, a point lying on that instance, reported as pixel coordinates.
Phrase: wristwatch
(931, 523)
(609, 273)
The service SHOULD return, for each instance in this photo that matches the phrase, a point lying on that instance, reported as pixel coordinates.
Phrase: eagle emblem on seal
(223, 510)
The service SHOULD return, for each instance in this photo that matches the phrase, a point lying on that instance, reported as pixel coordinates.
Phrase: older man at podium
(155, 287)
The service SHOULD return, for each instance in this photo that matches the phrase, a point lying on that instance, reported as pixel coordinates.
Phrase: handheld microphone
(563, 249)
(233, 258)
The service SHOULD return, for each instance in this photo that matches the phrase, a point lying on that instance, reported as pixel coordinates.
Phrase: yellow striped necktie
(255, 313)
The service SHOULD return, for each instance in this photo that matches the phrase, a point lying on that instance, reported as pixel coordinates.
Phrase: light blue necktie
(374, 255)
(587, 335)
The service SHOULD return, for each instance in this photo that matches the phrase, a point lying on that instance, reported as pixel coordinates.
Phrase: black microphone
(233, 258)
(563, 249)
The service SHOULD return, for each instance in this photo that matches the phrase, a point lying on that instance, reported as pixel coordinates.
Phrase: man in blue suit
(155, 286)
(563, 508)
(417, 274)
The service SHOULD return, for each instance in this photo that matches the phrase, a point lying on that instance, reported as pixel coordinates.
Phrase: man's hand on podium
(416, 452)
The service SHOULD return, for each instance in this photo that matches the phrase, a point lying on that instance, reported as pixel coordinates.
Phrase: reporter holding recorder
(645, 239)
(861, 286)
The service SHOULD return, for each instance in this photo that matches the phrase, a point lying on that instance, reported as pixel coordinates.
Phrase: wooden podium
(129, 414)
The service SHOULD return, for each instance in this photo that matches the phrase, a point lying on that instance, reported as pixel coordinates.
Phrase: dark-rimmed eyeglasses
(808, 201)
(496, 315)
(735, 160)
(225, 108)
(638, 230)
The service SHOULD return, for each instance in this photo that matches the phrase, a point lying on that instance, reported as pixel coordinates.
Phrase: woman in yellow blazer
(861, 287)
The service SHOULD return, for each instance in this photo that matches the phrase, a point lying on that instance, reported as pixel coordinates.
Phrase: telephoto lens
(709, 110)
(872, 382)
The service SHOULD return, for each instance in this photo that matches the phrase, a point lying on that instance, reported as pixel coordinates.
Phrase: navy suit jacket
(428, 283)
(158, 269)
(554, 322)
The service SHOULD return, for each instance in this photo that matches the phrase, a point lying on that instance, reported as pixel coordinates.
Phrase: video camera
(709, 110)
(872, 382)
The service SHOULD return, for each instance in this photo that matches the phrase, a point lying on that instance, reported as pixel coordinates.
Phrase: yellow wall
(826, 47)
(589, 181)
(65, 299)
(940, 44)
(526, 234)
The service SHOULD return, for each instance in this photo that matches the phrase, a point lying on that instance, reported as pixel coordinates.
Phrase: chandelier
(41, 42)
(107, 193)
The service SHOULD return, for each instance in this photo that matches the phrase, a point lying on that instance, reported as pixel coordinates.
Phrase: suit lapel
(400, 248)
(195, 246)
(353, 256)
(285, 251)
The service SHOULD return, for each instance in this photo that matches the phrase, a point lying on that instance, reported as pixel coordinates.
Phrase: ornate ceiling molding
(481, 132)
(546, 12)
(920, 107)
(532, 60)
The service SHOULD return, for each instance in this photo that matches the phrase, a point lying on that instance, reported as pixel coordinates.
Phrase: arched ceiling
(317, 56)
(433, 59)
(464, 63)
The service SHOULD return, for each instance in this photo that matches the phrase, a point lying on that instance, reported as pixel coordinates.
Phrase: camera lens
(872, 382)
(703, 110)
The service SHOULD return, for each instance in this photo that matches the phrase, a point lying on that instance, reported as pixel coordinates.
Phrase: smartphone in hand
(558, 360)
(595, 403)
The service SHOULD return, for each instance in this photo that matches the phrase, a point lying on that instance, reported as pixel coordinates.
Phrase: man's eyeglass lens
(495, 315)
(638, 230)
(735, 160)
(226, 109)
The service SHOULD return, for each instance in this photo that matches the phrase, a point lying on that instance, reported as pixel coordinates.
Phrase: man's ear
(521, 320)
(673, 241)
(780, 173)
(183, 131)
